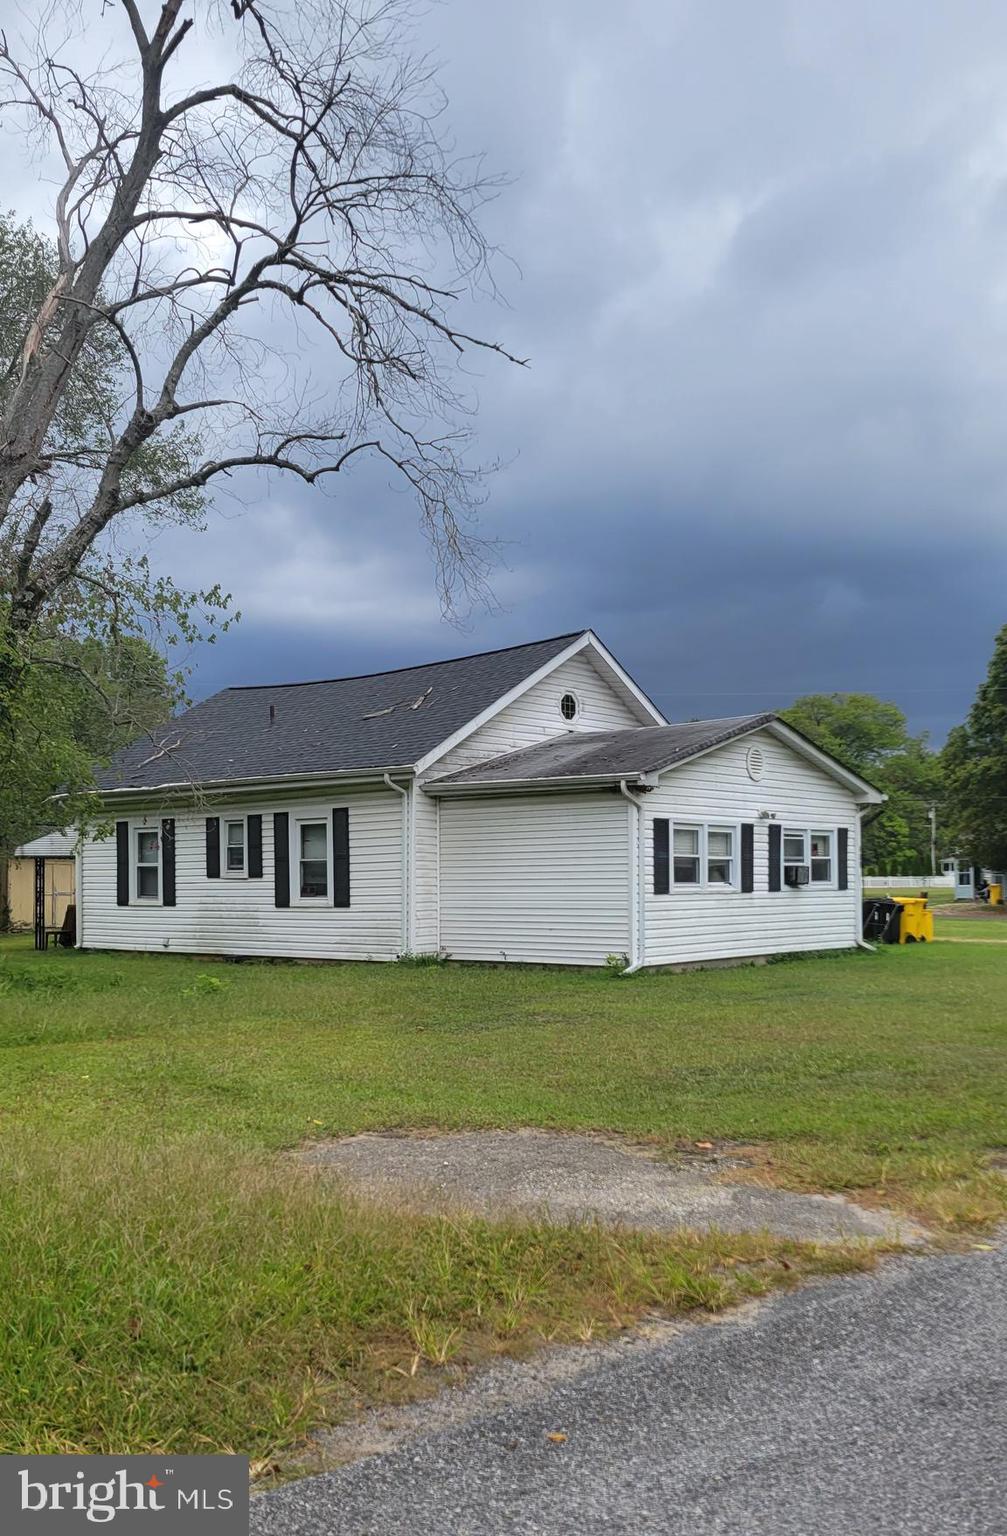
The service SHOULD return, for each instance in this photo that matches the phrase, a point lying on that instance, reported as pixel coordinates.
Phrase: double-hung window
(234, 846)
(720, 855)
(811, 849)
(147, 863)
(704, 855)
(688, 844)
(313, 860)
(821, 858)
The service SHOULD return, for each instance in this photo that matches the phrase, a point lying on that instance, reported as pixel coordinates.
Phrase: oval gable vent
(755, 763)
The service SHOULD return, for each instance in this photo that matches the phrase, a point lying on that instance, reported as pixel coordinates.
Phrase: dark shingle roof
(607, 754)
(384, 720)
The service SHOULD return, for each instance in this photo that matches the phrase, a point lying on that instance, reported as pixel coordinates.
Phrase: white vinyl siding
(716, 922)
(536, 716)
(238, 917)
(543, 878)
(425, 935)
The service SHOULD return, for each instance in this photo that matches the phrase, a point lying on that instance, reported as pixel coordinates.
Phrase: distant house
(528, 804)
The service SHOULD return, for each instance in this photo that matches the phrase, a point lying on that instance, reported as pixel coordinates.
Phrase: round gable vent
(755, 763)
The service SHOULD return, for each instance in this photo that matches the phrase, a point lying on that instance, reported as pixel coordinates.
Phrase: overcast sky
(762, 444)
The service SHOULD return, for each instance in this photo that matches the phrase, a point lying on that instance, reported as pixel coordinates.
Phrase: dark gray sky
(762, 445)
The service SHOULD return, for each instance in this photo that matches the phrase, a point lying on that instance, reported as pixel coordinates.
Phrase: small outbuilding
(530, 804)
(41, 881)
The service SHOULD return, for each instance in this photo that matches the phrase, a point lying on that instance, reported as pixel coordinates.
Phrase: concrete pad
(570, 1177)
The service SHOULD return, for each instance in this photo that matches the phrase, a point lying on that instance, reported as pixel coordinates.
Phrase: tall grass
(192, 1298)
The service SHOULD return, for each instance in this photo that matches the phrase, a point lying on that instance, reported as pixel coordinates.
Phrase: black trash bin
(882, 920)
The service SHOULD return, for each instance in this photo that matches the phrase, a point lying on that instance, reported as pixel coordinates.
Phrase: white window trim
(704, 828)
(309, 818)
(832, 833)
(573, 694)
(135, 828)
(233, 874)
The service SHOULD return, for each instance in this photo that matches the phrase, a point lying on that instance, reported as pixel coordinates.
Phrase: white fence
(909, 882)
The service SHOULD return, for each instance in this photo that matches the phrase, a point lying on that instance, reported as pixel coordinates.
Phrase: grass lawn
(995, 930)
(170, 1282)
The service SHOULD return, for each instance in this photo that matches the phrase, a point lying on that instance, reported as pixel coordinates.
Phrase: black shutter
(843, 862)
(341, 857)
(122, 863)
(254, 824)
(747, 856)
(662, 861)
(775, 856)
(281, 859)
(168, 861)
(213, 847)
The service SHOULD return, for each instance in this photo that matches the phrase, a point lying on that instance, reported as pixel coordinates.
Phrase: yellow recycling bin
(996, 894)
(917, 922)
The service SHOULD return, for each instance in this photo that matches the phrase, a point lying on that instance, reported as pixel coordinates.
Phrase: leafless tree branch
(308, 186)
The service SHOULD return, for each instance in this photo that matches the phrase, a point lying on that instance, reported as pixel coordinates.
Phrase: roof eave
(260, 781)
(444, 787)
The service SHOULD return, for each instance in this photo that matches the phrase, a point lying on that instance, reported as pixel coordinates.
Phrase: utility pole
(932, 815)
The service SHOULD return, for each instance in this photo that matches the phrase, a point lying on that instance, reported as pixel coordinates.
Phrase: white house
(528, 804)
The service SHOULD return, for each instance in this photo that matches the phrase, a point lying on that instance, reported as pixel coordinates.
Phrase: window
(686, 844)
(568, 706)
(703, 856)
(720, 856)
(148, 864)
(313, 860)
(234, 847)
(812, 850)
(821, 858)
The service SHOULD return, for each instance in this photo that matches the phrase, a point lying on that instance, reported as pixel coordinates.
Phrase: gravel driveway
(571, 1177)
(874, 1403)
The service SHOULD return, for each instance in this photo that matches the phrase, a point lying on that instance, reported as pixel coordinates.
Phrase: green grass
(971, 928)
(170, 1282)
(190, 1299)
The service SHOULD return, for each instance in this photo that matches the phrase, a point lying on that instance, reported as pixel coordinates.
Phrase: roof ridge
(416, 666)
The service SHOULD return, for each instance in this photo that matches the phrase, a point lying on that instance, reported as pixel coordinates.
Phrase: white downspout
(861, 941)
(406, 872)
(638, 888)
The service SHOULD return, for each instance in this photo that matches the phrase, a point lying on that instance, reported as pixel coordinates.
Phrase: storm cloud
(759, 267)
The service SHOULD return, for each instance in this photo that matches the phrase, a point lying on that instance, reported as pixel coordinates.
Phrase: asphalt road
(866, 1404)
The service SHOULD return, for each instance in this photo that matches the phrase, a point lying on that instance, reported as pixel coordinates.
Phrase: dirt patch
(570, 1177)
(973, 910)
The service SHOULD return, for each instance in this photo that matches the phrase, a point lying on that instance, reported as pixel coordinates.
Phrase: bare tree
(204, 228)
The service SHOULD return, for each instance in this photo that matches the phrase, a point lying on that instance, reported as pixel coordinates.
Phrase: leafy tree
(859, 729)
(871, 736)
(71, 710)
(975, 769)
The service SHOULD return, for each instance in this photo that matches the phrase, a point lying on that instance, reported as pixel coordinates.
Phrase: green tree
(870, 735)
(975, 769)
(72, 709)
